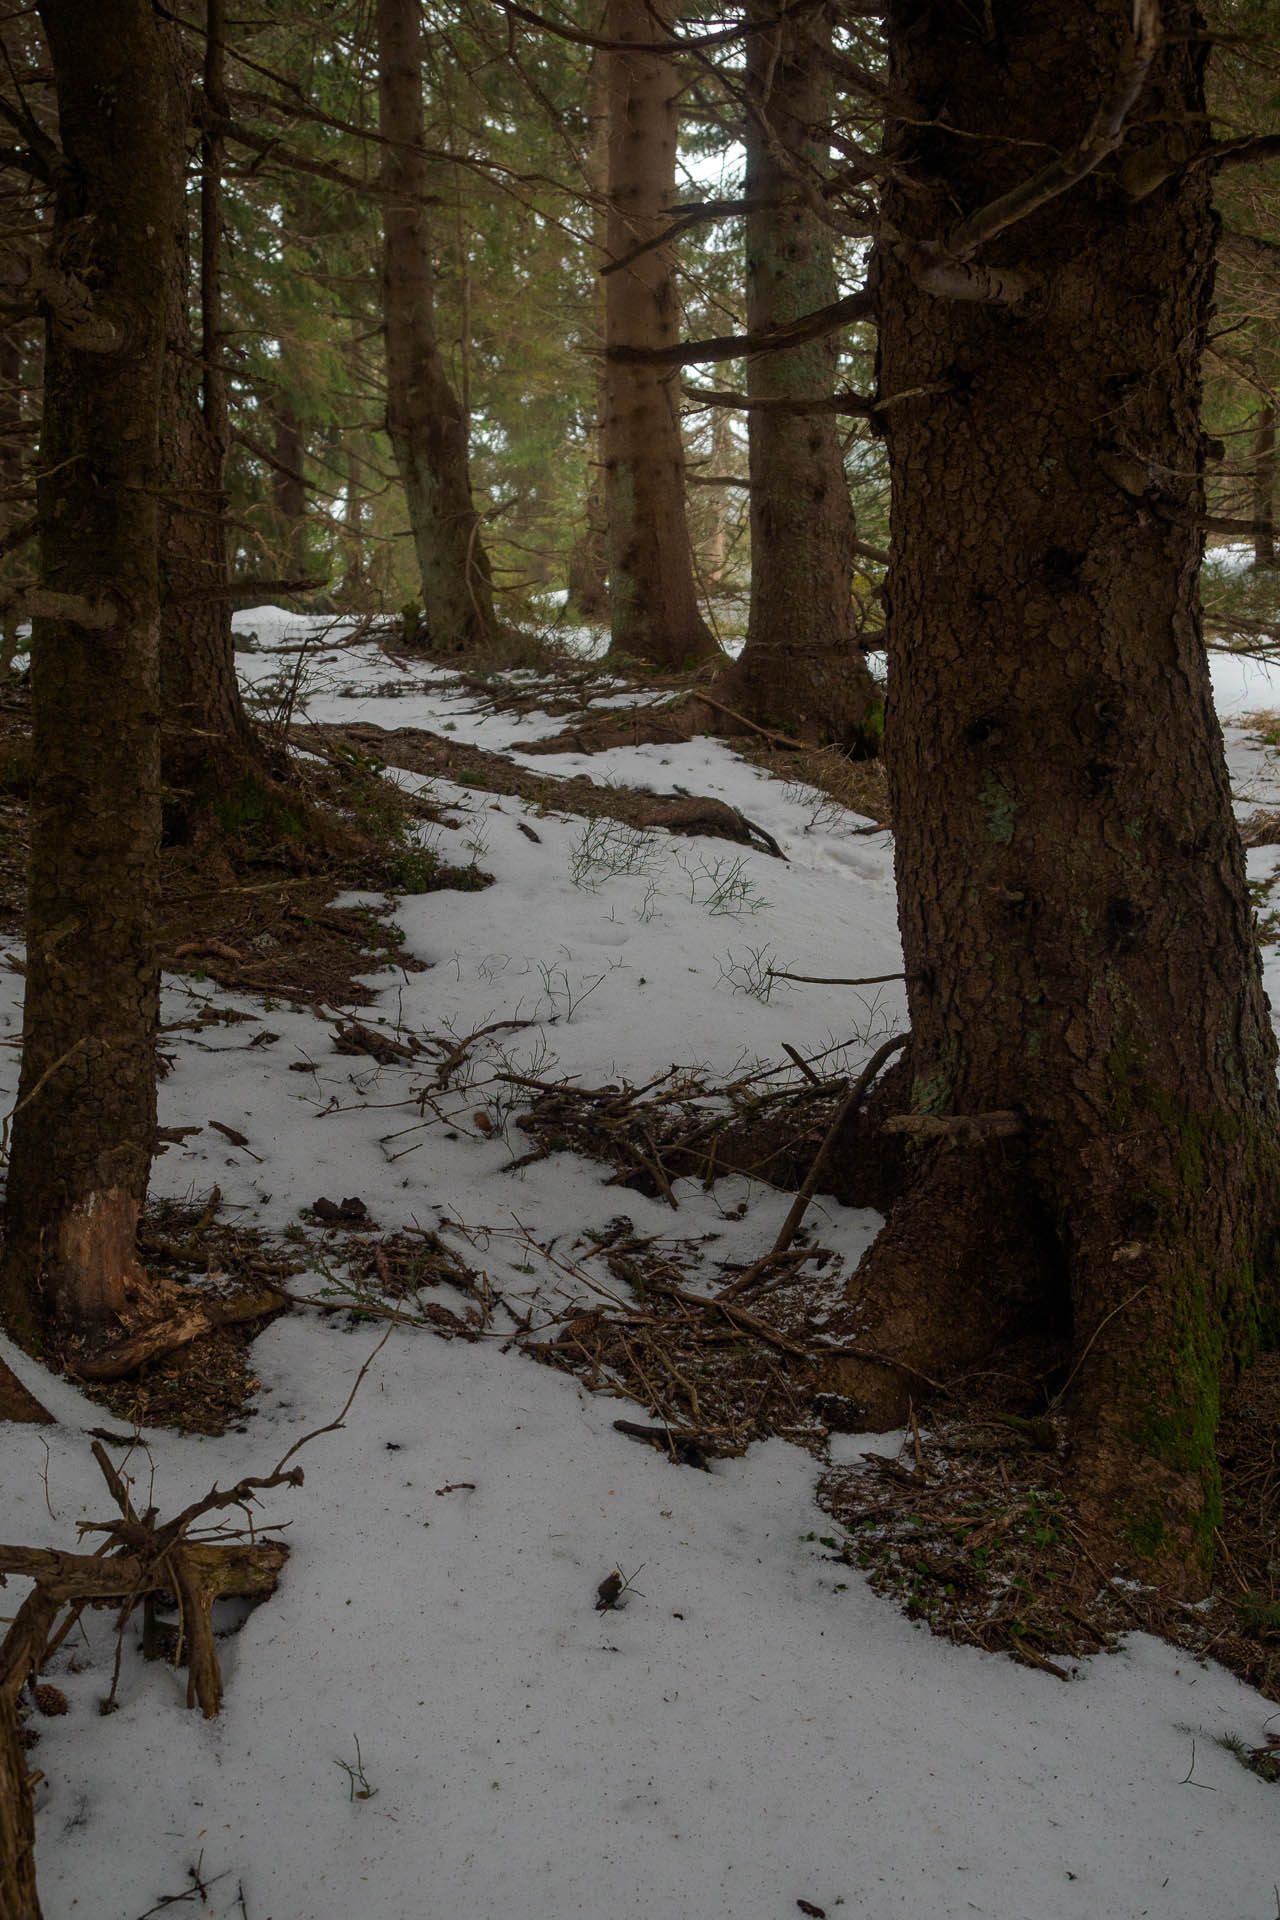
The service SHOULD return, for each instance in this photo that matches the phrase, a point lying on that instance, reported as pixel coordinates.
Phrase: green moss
(1145, 1534)
(930, 1093)
(999, 806)
(253, 809)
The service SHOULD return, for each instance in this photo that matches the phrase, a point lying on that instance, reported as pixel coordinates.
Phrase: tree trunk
(289, 490)
(801, 668)
(84, 1121)
(654, 604)
(1264, 488)
(588, 559)
(13, 509)
(424, 419)
(209, 747)
(1075, 922)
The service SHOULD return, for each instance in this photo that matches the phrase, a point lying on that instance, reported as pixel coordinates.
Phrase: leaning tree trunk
(424, 419)
(1075, 922)
(84, 1122)
(801, 668)
(654, 603)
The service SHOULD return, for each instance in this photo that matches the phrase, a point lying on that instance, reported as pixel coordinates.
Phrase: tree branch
(792, 333)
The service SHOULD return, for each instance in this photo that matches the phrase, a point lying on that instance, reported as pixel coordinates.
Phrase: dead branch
(848, 1107)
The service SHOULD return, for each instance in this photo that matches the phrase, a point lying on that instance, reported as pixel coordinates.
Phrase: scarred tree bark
(424, 419)
(801, 667)
(84, 1120)
(653, 601)
(1075, 921)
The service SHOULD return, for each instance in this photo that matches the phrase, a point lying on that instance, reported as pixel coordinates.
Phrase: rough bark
(425, 422)
(654, 604)
(84, 1121)
(1075, 921)
(801, 668)
(1264, 488)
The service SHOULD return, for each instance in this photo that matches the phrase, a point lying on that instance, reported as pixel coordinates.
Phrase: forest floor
(613, 1633)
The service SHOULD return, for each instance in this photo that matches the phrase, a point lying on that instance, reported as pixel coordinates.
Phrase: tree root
(958, 1270)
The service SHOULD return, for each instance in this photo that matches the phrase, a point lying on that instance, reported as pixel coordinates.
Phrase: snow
(753, 1728)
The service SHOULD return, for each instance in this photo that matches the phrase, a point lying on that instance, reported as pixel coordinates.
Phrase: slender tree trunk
(588, 559)
(1264, 488)
(424, 419)
(801, 667)
(654, 603)
(209, 746)
(355, 584)
(84, 1122)
(1075, 922)
(289, 490)
(12, 508)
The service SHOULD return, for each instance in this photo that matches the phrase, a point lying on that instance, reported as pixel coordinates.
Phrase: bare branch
(792, 333)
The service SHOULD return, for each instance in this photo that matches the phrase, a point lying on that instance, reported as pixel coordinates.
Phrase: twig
(836, 980)
(799, 1058)
(848, 1106)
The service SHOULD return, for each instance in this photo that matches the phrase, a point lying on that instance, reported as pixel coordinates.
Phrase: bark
(13, 511)
(1075, 921)
(425, 422)
(209, 746)
(588, 558)
(1264, 488)
(289, 491)
(801, 668)
(654, 603)
(84, 1121)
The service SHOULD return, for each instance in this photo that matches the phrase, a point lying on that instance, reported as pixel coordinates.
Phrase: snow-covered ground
(753, 1730)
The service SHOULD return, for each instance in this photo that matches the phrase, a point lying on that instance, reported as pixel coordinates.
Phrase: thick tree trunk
(801, 668)
(1264, 488)
(1075, 921)
(84, 1121)
(654, 603)
(424, 420)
